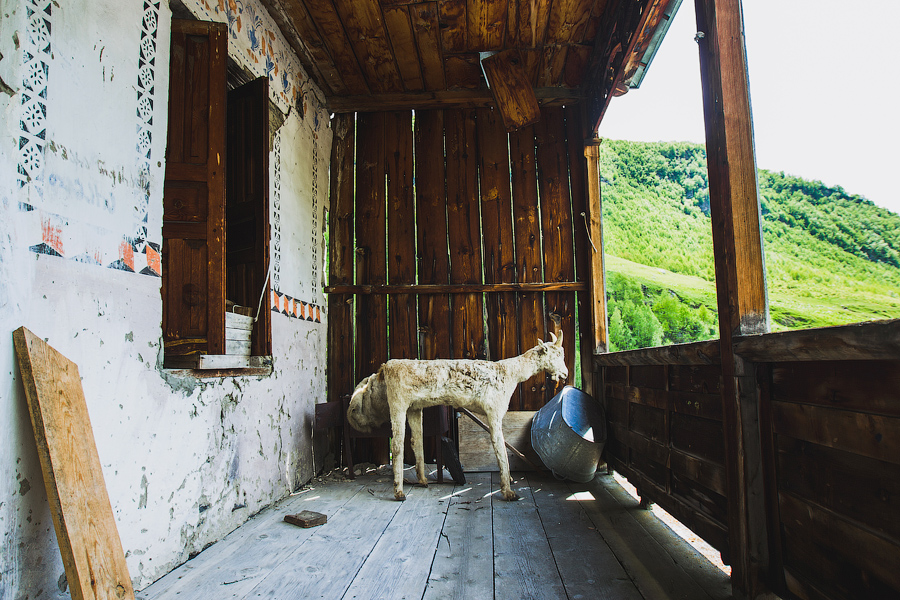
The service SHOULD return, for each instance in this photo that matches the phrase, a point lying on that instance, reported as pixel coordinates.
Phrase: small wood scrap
(306, 519)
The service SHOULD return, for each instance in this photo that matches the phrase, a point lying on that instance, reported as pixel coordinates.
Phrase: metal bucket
(569, 433)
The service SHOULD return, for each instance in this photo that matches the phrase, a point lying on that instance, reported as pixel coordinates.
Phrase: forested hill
(831, 257)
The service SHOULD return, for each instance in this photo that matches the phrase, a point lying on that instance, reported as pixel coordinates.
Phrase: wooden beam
(511, 89)
(740, 273)
(459, 288)
(79, 504)
(879, 340)
(464, 98)
(696, 353)
(594, 223)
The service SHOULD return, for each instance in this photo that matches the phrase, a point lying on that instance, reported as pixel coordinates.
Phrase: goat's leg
(414, 416)
(398, 425)
(495, 423)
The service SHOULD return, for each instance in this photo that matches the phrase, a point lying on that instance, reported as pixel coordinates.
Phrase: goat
(402, 388)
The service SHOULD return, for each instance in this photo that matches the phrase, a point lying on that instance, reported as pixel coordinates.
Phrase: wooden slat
(698, 379)
(856, 487)
(599, 322)
(497, 233)
(860, 433)
(79, 504)
(527, 23)
(568, 21)
(457, 288)
(529, 265)
(553, 63)
(524, 566)
(837, 555)
(696, 353)
(434, 266)
(371, 315)
(401, 233)
(649, 376)
(861, 341)
(462, 569)
(399, 27)
(338, 45)
(464, 231)
(699, 437)
(363, 22)
(511, 88)
(453, 25)
(863, 386)
(486, 24)
(577, 59)
(556, 226)
(424, 17)
(341, 365)
(466, 72)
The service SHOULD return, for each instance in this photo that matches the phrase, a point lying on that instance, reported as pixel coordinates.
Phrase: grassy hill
(831, 257)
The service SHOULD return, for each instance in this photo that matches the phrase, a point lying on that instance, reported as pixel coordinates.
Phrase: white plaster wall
(185, 460)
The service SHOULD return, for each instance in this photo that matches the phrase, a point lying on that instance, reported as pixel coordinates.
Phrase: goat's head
(368, 405)
(552, 357)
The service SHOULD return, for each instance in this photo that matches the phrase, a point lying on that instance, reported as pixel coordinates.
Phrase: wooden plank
(365, 28)
(704, 472)
(79, 504)
(879, 340)
(464, 231)
(576, 64)
(213, 572)
(695, 353)
(529, 261)
(556, 226)
(860, 433)
(338, 45)
(401, 233)
(649, 422)
(424, 17)
(699, 437)
(586, 564)
(341, 365)
(453, 25)
(527, 24)
(699, 379)
(568, 21)
(524, 566)
(463, 566)
(486, 24)
(856, 487)
(859, 386)
(511, 89)
(842, 559)
(553, 64)
(399, 27)
(466, 72)
(328, 567)
(629, 533)
(476, 452)
(431, 217)
(461, 288)
(594, 224)
(410, 540)
(497, 232)
(649, 376)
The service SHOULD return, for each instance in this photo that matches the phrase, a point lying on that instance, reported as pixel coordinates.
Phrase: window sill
(224, 365)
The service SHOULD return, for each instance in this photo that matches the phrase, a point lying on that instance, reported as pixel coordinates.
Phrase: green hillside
(832, 258)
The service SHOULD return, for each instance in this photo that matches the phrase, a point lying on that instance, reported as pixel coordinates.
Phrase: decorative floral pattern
(33, 120)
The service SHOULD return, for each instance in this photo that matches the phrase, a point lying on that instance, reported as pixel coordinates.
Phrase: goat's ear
(557, 340)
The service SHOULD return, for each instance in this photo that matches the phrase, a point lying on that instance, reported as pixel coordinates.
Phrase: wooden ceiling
(386, 54)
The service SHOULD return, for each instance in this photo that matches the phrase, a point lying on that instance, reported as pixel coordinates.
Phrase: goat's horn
(552, 337)
(558, 340)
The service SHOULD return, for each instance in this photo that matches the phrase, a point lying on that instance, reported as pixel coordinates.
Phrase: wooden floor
(561, 540)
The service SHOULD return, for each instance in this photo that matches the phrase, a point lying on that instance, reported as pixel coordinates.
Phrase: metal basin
(568, 434)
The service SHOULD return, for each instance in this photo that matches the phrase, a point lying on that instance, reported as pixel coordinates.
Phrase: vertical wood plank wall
(447, 197)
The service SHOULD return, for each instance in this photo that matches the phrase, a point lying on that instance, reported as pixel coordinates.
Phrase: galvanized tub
(569, 433)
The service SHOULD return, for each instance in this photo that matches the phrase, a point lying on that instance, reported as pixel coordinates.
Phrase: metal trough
(569, 433)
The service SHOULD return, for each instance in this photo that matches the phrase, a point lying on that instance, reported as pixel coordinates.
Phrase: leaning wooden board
(476, 453)
(82, 515)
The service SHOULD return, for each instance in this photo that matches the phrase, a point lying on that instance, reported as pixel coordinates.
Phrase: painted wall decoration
(33, 120)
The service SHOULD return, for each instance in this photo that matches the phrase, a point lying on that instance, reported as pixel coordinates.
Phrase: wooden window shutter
(247, 205)
(193, 281)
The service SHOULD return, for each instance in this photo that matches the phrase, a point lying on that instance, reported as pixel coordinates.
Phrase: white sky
(824, 90)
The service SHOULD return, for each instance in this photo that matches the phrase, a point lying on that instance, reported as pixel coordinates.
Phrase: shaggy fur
(402, 388)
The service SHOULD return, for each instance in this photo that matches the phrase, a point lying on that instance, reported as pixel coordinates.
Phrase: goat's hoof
(510, 496)
(399, 495)
(423, 484)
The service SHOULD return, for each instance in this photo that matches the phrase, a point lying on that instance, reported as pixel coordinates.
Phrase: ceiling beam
(550, 96)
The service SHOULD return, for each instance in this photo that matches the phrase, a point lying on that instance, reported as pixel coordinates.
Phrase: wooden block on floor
(476, 453)
(79, 504)
(306, 519)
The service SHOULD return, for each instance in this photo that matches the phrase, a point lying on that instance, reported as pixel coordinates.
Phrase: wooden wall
(664, 411)
(452, 239)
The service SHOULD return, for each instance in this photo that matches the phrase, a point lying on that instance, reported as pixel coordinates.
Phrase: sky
(824, 91)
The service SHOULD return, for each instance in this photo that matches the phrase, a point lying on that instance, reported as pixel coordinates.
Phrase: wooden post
(740, 273)
(598, 267)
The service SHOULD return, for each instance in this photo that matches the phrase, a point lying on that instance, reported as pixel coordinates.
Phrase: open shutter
(193, 282)
(247, 208)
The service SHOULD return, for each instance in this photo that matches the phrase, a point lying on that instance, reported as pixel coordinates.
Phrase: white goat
(402, 388)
